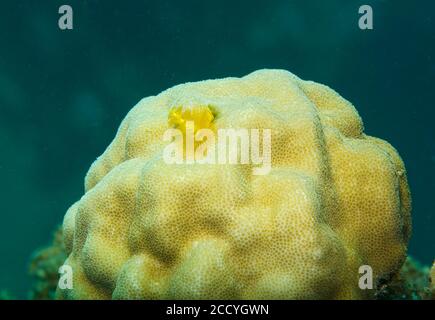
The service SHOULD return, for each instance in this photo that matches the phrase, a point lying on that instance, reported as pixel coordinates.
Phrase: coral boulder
(335, 199)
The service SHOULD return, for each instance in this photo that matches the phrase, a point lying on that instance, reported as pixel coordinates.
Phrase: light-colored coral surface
(335, 199)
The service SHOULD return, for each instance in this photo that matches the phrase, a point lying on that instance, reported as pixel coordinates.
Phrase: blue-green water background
(64, 93)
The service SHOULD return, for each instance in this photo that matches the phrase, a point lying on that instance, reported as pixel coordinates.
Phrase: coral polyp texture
(335, 199)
